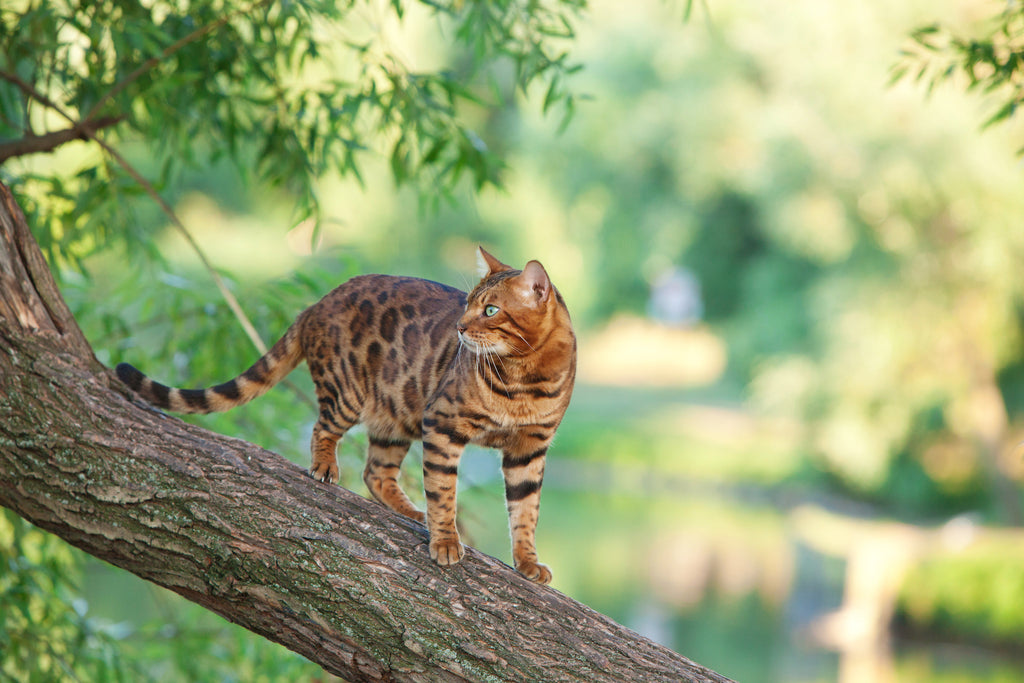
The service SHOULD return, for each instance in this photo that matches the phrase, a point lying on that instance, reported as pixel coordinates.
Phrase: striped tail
(256, 381)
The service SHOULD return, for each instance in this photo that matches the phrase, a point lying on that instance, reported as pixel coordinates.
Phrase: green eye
(489, 311)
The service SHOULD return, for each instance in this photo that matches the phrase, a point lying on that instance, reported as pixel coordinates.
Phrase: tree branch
(32, 144)
(243, 532)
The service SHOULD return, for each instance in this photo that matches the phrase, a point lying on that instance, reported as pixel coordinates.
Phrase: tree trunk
(245, 533)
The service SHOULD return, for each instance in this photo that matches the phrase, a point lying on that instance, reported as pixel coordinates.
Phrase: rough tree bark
(245, 533)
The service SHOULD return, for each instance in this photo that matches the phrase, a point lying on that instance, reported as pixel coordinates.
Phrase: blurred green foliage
(44, 632)
(974, 597)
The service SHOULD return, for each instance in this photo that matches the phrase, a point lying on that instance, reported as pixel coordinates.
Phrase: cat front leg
(443, 443)
(383, 463)
(523, 469)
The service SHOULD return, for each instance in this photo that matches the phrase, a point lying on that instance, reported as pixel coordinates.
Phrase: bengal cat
(413, 359)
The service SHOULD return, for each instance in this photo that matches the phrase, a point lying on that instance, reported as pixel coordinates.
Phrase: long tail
(256, 381)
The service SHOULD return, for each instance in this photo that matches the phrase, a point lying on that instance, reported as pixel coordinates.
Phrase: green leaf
(1006, 111)
(552, 96)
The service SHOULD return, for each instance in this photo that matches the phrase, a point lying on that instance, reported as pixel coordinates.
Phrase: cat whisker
(491, 358)
(487, 359)
(515, 349)
(494, 366)
(490, 363)
(458, 352)
(498, 356)
(524, 340)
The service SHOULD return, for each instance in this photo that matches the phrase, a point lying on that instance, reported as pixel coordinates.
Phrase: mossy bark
(245, 533)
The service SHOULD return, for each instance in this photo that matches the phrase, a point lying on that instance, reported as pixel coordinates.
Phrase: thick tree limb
(246, 534)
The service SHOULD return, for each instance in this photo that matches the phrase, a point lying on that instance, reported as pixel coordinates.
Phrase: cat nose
(460, 328)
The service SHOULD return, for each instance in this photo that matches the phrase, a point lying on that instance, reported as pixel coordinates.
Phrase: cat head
(509, 312)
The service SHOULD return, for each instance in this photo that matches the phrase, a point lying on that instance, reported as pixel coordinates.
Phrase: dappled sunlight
(248, 245)
(632, 351)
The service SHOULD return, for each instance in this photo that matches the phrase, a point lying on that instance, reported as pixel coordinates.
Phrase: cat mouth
(476, 346)
(469, 343)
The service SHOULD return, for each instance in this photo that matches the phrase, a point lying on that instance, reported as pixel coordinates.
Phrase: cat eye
(490, 311)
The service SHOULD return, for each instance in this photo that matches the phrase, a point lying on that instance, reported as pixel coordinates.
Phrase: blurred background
(795, 449)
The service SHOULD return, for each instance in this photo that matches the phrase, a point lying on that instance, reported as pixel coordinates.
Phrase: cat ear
(488, 265)
(535, 282)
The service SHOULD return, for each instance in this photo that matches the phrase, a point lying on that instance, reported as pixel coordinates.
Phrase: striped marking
(195, 399)
(158, 394)
(451, 470)
(508, 460)
(130, 376)
(431, 447)
(381, 442)
(456, 437)
(514, 492)
(228, 390)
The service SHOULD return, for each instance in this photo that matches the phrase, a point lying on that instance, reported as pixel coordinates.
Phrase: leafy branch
(290, 90)
(991, 63)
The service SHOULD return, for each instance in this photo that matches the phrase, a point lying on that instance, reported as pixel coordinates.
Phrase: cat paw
(326, 472)
(535, 571)
(447, 552)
